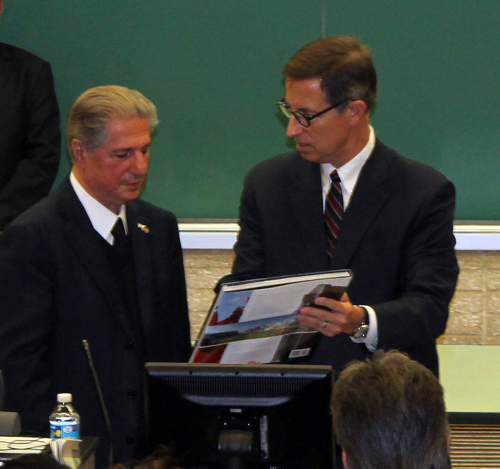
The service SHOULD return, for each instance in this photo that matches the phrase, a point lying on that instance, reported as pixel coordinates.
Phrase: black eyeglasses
(302, 118)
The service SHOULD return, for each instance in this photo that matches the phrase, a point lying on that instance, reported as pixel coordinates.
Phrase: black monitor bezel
(263, 386)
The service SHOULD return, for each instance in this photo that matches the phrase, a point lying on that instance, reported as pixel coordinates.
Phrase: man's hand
(341, 316)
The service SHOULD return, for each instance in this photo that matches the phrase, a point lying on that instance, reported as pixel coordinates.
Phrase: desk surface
(87, 450)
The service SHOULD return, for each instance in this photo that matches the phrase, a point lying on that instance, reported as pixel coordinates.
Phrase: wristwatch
(362, 331)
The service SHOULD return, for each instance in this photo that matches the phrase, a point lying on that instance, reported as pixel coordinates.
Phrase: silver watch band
(362, 331)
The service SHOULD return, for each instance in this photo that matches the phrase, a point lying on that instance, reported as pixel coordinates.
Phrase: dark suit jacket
(30, 140)
(56, 289)
(396, 237)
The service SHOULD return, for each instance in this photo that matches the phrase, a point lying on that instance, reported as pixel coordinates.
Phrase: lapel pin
(144, 228)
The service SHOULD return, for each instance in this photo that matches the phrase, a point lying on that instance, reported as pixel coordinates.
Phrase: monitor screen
(242, 416)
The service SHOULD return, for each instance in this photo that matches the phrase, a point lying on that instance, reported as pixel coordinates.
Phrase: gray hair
(390, 412)
(96, 107)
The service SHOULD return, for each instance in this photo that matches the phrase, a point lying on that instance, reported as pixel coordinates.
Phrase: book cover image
(260, 325)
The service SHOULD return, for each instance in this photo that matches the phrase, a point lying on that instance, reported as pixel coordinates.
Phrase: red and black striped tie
(334, 211)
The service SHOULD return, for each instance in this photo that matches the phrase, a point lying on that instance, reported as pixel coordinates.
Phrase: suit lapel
(139, 232)
(80, 234)
(367, 199)
(306, 199)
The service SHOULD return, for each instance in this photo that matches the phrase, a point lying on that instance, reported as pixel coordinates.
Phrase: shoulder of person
(281, 164)
(152, 211)
(21, 57)
(406, 168)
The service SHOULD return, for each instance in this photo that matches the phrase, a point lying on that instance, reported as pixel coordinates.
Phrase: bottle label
(64, 430)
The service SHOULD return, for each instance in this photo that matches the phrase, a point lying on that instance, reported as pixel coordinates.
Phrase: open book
(256, 321)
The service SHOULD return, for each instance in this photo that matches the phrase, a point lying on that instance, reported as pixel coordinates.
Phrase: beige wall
(475, 309)
(204, 267)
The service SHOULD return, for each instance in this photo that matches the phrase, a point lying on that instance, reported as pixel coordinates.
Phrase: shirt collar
(103, 220)
(349, 172)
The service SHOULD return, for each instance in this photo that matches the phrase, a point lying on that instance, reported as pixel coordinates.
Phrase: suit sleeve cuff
(371, 339)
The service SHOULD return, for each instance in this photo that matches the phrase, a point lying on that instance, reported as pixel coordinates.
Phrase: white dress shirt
(103, 220)
(349, 174)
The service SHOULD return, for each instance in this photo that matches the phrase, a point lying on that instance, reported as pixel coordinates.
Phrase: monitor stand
(234, 446)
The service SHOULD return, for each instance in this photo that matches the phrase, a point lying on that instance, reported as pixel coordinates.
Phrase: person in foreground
(389, 413)
(161, 458)
(30, 136)
(90, 262)
(344, 200)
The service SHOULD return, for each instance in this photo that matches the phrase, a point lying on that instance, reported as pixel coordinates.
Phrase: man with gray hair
(389, 412)
(91, 263)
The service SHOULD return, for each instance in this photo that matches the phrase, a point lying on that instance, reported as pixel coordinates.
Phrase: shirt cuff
(371, 339)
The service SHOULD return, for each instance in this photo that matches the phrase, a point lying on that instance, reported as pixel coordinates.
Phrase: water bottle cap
(64, 397)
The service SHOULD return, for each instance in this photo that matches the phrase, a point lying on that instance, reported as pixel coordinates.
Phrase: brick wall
(475, 309)
(474, 313)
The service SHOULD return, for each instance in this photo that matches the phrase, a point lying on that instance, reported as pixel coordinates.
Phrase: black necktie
(118, 232)
(334, 211)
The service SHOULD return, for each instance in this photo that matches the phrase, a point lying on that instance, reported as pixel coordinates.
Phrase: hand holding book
(331, 316)
(257, 321)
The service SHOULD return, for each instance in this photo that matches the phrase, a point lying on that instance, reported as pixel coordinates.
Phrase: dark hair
(344, 66)
(389, 412)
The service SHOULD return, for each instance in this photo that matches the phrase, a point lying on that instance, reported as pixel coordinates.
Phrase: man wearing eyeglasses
(344, 200)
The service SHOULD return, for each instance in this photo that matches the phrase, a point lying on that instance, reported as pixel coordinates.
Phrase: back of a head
(161, 458)
(94, 108)
(389, 413)
(343, 64)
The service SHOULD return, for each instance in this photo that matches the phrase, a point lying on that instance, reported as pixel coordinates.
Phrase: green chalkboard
(213, 68)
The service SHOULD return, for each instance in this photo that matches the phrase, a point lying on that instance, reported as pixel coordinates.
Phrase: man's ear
(79, 151)
(356, 110)
(344, 460)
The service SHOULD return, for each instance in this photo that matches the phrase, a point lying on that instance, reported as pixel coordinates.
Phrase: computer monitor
(242, 416)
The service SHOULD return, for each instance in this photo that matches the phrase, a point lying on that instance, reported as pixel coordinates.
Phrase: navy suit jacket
(396, 237)
(57, 289)
(30, 139)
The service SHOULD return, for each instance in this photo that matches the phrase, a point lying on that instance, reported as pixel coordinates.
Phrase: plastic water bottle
(64, 421)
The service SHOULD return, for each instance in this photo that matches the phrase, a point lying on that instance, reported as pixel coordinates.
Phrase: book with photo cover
(255, 321)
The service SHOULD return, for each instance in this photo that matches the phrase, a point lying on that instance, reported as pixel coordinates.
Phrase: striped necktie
(334, 211)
